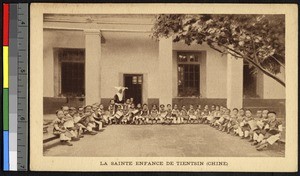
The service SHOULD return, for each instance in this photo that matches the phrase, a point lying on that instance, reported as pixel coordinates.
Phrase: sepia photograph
(158, 85)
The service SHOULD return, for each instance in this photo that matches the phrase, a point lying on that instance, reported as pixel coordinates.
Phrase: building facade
(86, 56)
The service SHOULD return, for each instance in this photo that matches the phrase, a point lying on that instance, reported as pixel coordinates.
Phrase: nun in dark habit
(119, 96)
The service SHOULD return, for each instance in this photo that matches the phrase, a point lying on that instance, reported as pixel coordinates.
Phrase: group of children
(262, 130)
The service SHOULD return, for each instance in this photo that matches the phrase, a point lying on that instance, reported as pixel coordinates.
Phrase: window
(188, 74)
(72, 72)
(137, 80)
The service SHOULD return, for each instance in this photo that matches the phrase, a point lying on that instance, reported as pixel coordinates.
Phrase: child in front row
(240, 118)
(168, 119)
(219, 123)
(232, 120)
(199, 114)
(60, 130)
(144, 115)
(69, 122)
(136, 114)
(119, 114)
(163, 113)
(154, 115)
(205, 115)
(259, 133)
(246, 124)
(192, 115)
(183, 117)
(111, 111)
(175, 114)
(127, 111)
(273, 132)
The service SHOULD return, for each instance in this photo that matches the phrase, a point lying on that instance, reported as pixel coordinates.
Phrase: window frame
(61, 60)
(194, 64)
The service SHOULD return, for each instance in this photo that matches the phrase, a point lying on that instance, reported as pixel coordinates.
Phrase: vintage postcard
(163, 87)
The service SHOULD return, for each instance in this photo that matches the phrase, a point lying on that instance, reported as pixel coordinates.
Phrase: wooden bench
(50, 138)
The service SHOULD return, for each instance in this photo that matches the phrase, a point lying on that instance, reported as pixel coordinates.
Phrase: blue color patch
(5, 151)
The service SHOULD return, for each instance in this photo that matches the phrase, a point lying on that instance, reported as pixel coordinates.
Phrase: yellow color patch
(5, 66)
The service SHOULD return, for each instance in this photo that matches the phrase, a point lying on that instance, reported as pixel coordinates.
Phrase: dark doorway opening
(249, 82)
(134, 82)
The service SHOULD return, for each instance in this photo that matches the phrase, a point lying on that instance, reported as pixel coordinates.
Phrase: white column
(234, 82)
(92, 66)
(165, 71)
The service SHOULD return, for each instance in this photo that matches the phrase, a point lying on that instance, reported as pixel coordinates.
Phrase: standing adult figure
(119, 96)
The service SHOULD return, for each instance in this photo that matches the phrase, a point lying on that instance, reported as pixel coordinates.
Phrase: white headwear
(120, 95)
(120, 88)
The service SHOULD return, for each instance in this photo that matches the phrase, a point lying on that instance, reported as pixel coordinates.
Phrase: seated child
(192, 114)
(256, 125)
(101, 115)
(262, 119)
(131, 100)
(89, 120)
(107, 117)
(78, 121)
(205, 114)
(127, 114)
(163, 113)
(258, 119)
(154, 115)
(112, 110)
(127, 103)
(144, 115)
(247, 124)
(69, 122)
(136, 113)
(77, 128)
(222, 120)
(60, 130)
(240, 118)
(119, 114)
(227, 118)
(215, 115)
(199, 114)
(229, 124)
(273, 132)
(168, 119)
(96, 113)
(183, 117)
(175, 114)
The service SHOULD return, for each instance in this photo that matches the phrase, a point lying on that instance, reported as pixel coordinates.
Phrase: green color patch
(5, 109)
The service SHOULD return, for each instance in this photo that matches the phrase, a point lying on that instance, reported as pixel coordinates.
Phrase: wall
(129, 54)
(272, 89)
(123, 55)
(58, 39)
(212, 71)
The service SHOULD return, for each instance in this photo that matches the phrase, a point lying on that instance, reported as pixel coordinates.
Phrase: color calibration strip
(5, 88)
(15, 87)
(22, 89)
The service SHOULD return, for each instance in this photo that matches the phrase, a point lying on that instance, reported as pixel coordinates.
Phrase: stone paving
(192, 140)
